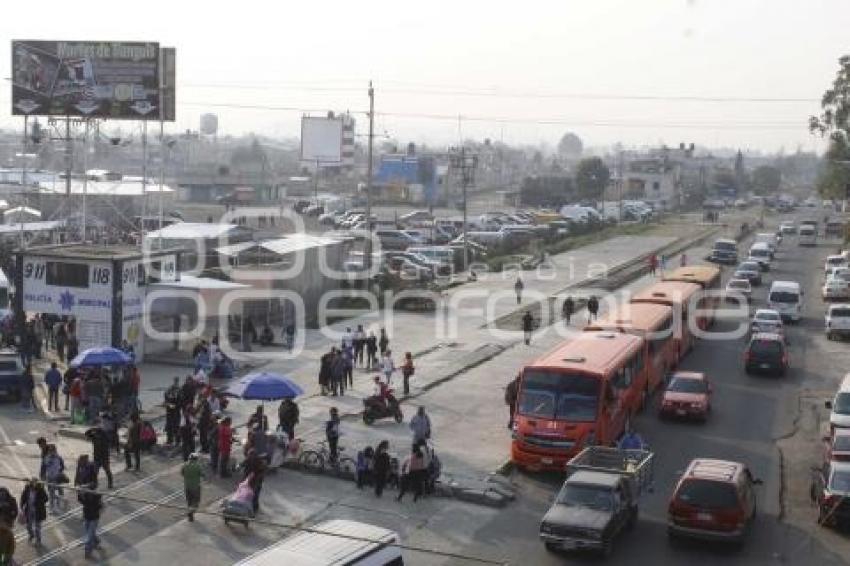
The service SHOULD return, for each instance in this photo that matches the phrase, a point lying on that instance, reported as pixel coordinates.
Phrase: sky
(718, 73)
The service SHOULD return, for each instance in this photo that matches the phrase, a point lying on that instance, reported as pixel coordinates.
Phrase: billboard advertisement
(89, 79)
(321, 140)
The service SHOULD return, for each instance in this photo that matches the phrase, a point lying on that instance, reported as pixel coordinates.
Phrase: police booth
(101, 287)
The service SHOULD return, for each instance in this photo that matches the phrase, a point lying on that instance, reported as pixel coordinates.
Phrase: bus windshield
(784, 297)
(555, 395)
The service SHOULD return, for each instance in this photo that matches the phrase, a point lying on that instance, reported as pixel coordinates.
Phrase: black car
(766, 352)
(749, 270)
(724, 251)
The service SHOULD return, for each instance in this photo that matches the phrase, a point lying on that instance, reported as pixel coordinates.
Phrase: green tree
(570, 146)
(592, 176)
(834, 122)
(766, 179)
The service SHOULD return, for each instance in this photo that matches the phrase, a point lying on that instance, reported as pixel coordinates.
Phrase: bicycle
(319, 461)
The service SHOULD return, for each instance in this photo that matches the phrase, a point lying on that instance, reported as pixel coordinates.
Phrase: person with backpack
(511, 395)
(34, 508)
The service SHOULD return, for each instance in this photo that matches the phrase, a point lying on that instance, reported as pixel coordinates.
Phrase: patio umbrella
(106, 356)
(265, 386)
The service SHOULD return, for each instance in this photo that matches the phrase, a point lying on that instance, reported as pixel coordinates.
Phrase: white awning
(22, 209)
(199, 283)
(235, 249)
(298, 242)
(31, 226)
(192, 231)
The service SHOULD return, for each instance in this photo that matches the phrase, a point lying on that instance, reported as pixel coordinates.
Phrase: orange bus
(679, 296)
(708, 278)
(653, 323)
(582, 393)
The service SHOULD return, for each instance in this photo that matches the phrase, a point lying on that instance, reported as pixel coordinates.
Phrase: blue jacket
(53, 378)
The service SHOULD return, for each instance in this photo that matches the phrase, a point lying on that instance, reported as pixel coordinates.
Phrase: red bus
(582, 393)
(653, 323)
(708, 278)
(679, 296)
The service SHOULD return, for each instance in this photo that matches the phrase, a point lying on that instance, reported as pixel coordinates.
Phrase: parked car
(395, 239)
(416, 216)
(837, 446)
(687, 395)
(837, 321)
(835, 227)
(750, 271)
(831, 492)
(11, 372)
(714, 500)
(740, 286)
(835, 288)
(839, 407)
(766, 352)
(834, 261)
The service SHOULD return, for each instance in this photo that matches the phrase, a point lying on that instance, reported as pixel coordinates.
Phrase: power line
(165, 502)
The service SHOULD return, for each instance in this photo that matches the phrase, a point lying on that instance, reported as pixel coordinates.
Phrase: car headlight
(545, 528)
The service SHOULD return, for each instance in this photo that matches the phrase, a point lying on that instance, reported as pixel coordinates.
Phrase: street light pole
(368, 259)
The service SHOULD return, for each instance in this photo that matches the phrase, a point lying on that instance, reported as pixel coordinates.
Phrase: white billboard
(321, 140)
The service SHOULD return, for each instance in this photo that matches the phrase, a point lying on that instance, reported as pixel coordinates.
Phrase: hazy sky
(522, 71)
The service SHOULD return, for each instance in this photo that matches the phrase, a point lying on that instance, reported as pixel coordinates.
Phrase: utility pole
(69, 156)
(620, 187)
(466, 165)
(24, 178)
(144, 182)
(368, 258)
(85, 176)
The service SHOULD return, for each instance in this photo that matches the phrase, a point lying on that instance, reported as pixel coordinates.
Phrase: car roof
(716, 470)
(594, 478)
(788, 285)
(688, 375)
(738, 280)
(839, 306)
(766, 311)
(840, 465)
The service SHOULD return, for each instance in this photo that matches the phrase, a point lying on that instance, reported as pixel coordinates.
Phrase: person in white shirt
(387, 366)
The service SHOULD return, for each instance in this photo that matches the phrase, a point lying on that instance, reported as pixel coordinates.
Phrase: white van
(787, 298)
(320, 549)
(839, 407)
(767, 238)
(760, 252)
(807, 235)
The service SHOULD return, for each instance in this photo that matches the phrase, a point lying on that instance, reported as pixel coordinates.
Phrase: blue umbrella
(265, 386)
(101, 357)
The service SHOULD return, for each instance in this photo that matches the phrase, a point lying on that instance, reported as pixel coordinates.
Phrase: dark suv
(766, 352)
(724, 251)
(713, 500)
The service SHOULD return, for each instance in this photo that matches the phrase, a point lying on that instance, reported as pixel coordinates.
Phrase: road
(750, 415)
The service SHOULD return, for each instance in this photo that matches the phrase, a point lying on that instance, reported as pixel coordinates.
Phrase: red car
(714, 500)
(688, 395)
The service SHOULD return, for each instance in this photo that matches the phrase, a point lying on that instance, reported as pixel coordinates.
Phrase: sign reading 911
(89, 79)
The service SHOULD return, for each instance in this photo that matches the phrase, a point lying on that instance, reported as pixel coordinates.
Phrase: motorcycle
(374, 408)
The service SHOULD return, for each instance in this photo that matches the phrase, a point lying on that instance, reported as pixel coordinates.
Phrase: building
(101, 288)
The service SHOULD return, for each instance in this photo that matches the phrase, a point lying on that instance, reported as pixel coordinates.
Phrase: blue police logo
(66, 300)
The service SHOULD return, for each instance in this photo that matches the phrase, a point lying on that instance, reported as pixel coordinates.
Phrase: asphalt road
(750, 414)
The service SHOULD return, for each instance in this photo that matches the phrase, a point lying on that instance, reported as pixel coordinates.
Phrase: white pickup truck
(837, 321)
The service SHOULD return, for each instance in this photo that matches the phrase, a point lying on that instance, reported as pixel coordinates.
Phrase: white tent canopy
(22, 210)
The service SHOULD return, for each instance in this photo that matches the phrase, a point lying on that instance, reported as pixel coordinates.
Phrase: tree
(570, 146)
(766, 179)
(834, 122)
(547, 190)
(592, 176)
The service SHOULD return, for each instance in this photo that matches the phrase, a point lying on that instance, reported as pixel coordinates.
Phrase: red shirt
(225, 439)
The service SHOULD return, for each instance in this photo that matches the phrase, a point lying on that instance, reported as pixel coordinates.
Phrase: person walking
(683, 260)
(420, 425)
(592, 308)
(192, 475)
(61, 340)
(381, 467)
(53, 380)
(204, 424)
(413, 470)
(225, 444)
(73, 346)
(662, 263)
(527, 326)
(187, 432)
(54, 473)
(365, 465)
(332, 433)
(287, 415)
(359, 345)
(568, 309)
(172, 412)
(348, 365)
(383, 341)
(518, 287)
(133, 446)
(100, 452)
(511, 395)
(653, 264)
(255, 473)
(68, 380)
(27, 388)
(338, 374)
(85, 473)
(326, 372)
(371, 350)
(407, 370)
(213, 443)
(34, 508)
(387, 366)
(92, 503)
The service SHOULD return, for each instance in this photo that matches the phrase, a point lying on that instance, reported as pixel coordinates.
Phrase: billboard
(89, 79)
(321, 140)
